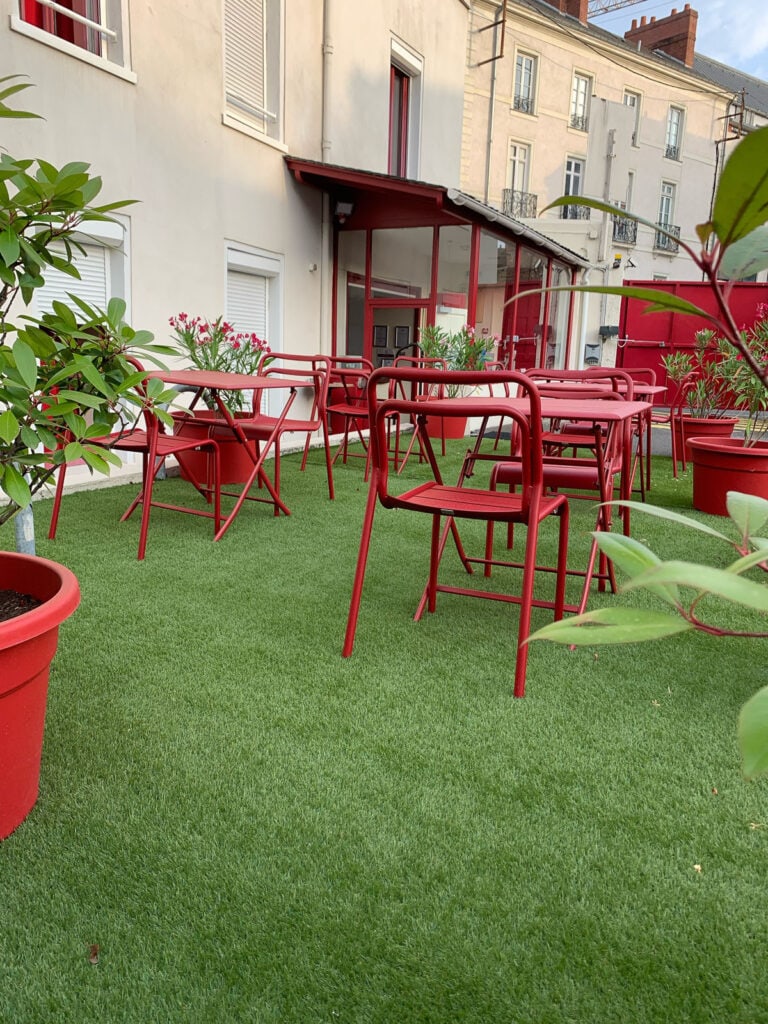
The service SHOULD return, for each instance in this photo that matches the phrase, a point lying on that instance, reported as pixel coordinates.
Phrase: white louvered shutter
(93, 286)
(247, 310)
(244, 55)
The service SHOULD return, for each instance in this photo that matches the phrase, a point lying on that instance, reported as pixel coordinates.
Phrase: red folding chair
(311, 372)
(154, 446)
(530, 506)
(349, 377)
(591, 475)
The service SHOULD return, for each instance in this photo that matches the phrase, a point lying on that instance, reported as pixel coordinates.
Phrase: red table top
(218, 380)
(589, 409)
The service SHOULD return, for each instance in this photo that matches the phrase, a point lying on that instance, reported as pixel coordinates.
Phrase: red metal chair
(154, 446)
(348, 381)
(590, 475)
(530, 506)
(308, 371)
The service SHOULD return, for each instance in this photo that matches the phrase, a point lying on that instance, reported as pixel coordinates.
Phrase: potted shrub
(216, 345)
(700, 402)
(64, 378)
(459, 350)
(723, 464)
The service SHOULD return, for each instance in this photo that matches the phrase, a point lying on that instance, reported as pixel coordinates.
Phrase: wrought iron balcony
(580, 121)
(672, 153)
(575, 212)
(663, 242)
(624, 231)
(523, 103)
(518, 204)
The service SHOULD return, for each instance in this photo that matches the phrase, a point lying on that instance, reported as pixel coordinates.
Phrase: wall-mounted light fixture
(342, 210)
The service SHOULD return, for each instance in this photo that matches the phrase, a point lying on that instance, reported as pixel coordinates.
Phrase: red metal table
(213, 382)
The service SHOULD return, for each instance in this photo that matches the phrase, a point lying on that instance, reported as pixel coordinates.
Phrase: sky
(734, 32)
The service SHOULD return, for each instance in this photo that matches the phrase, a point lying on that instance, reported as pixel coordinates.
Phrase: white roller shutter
(247, 302)
(93, 286)
(244, 55)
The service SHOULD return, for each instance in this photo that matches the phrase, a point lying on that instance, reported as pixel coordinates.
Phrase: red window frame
(399, 97)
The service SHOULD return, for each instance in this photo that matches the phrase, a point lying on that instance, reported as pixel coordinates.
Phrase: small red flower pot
(724, 464)
(27, 646)
(449, 427)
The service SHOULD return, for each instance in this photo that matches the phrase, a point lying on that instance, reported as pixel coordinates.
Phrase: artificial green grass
(252, 828)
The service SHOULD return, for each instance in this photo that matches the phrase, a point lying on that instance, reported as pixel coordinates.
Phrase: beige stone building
(555, 105)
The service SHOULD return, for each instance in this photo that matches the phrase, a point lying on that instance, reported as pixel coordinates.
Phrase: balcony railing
(663, 242)
(624, 231)
(518, 204)
(523, 103)
(575, 212)
(672, 153)
(580, 122)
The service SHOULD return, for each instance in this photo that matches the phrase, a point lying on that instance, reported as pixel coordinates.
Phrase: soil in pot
(12, 603)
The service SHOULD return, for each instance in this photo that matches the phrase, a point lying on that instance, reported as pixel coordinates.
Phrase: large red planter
(236, 464)
(27, 646)
(449, 427)
(700, 426)
(724, 464)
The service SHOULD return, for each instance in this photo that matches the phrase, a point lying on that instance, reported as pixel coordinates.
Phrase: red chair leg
(57, 501)
(362, 559)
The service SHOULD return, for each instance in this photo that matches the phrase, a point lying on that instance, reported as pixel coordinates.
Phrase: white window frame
(519, 165)
(114, 33)
(411, 63)
(247, 259)
(574, 174)
(261, 120)
(524, 99)
(633, 100)
(667, 201)
(673, 139)
(581, 97)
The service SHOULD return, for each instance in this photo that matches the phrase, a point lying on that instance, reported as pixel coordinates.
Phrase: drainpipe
(583, 317)
(326, 229)
(491, 115)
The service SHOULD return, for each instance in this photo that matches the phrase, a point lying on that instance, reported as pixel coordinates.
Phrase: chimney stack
(675, 34)
(577, 9)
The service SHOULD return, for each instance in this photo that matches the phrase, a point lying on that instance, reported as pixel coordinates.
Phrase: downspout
(491, 117)
(327, 341)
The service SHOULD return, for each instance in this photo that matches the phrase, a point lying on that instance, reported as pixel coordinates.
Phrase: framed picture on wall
(402, 337)
(386, 359)
(380, 333)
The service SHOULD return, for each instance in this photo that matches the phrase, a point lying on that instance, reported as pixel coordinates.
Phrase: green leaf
(83, 398)
(116, 311)
(675, 517)
(9, 426)
(16, 487)
(74, 450)
(633, 558)
(746, 257)
(658, 300)
(741, 202)
(26, 363)
(613, 626)
(748, 561)
(748, 511)
(705, 579)
(9, 246)
(753, 735)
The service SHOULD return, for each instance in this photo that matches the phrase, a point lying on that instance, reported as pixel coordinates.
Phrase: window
(254, 297)
(102, 265)
(404, 107)
(525, 83)
(632, 100)
(574, 182)
(581, 94)
(92, 30)
(674, 133)
(517, 201)
(253, 65)
(666, 216)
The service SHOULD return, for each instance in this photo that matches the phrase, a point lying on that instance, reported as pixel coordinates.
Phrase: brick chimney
(675, 34)
(576, 8)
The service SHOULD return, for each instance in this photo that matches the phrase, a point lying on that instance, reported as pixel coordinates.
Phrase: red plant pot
(449, 427)
(236, 465)
(724, 464)
(27, 646)
(700, 426)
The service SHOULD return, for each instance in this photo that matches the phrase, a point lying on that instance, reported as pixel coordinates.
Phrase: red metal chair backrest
(527, 423)
(618, 380)
(314, 368)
